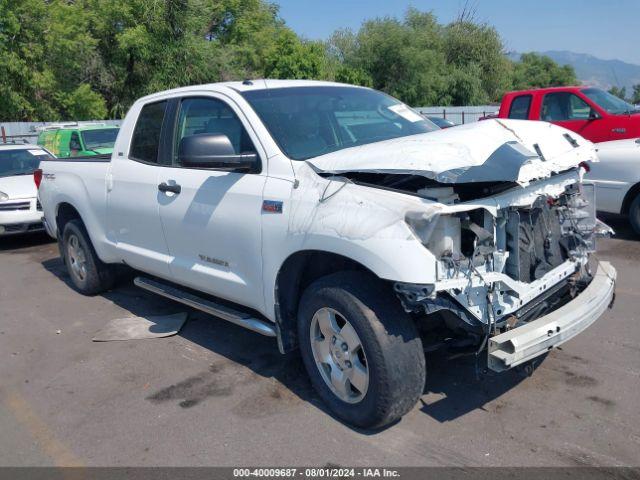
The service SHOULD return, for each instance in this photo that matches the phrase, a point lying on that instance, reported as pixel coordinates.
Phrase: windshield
(99, 138)
(21, 161)
(608, 102)
(310, 121)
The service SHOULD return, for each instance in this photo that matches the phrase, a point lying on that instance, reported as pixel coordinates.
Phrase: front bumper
(20, 215)
(524, 343)
(18, 228)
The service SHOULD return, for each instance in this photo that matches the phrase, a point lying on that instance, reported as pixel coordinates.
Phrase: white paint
(616, 173)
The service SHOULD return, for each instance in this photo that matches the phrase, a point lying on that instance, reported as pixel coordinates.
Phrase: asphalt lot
(219, 395)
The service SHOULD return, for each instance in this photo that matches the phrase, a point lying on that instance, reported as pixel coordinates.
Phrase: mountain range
(595, 71)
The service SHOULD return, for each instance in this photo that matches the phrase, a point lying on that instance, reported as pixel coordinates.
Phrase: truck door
(133, 196)
(212, 217)
(572, 112)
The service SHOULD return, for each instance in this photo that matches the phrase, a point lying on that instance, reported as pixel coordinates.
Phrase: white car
(335, 219)
(617, 179)
(20, 211)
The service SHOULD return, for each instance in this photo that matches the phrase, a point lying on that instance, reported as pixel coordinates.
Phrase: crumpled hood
(20, 186)
(487, 151)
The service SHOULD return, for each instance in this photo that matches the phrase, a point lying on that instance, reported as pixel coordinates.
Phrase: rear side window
(520, 107)
(146, 136)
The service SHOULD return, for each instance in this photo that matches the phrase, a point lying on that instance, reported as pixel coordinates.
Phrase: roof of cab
(247, 85)
(573, 88)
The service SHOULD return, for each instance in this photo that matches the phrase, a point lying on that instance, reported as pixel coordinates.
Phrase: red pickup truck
(593, 113)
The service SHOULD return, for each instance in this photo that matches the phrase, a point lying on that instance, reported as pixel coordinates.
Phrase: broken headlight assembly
(422, 224)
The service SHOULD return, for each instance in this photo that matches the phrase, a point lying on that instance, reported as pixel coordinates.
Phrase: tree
(290, 57)
(116, 51)
(46, 63)
(635, 97)
(537, 71)
(481, 70)
(619, 92)
(403, 59)
(425, 63)
(146, 46)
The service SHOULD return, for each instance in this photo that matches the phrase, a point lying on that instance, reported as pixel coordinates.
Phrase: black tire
(634, 214)
(393, 349)
(97, 276)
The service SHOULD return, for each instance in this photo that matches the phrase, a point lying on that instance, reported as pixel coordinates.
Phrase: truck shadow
(24, 241)
(461, 386)
(454, 380)
(620, 224)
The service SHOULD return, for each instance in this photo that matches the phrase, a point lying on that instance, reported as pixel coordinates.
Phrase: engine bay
(497, 270)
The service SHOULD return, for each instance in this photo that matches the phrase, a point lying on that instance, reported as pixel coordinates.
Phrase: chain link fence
(460, 115)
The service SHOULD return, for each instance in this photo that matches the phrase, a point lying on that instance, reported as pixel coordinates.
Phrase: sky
(608, 29)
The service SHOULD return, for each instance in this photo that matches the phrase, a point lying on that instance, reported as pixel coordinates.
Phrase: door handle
(163, 187)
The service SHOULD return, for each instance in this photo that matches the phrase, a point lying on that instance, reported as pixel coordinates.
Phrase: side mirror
(593, 115)
(215, 151)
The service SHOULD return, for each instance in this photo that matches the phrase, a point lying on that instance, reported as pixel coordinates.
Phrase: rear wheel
(88, 273)
(634, 214)
(360, 349)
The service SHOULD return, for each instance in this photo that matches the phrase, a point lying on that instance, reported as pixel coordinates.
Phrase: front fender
(364, 224)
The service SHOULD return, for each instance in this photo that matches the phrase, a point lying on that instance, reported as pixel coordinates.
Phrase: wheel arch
(65, 212)
(296, 273)
(631, 194)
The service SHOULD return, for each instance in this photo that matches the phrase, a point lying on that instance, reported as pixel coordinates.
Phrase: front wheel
(360, 349)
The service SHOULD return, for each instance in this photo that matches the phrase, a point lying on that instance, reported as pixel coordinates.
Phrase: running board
(229, 314)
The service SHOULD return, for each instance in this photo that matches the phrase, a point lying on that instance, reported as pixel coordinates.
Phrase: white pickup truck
(339, 221)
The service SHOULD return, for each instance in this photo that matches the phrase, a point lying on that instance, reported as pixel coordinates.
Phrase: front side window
(309, 121)
(99, 138)
(608, 102)
(520, 107)
(21, 161)
(562, 106)
(212, 116)
(145, 143)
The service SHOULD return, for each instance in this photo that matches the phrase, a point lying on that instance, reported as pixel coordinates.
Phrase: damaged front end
(501, 269)
(509, 226)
